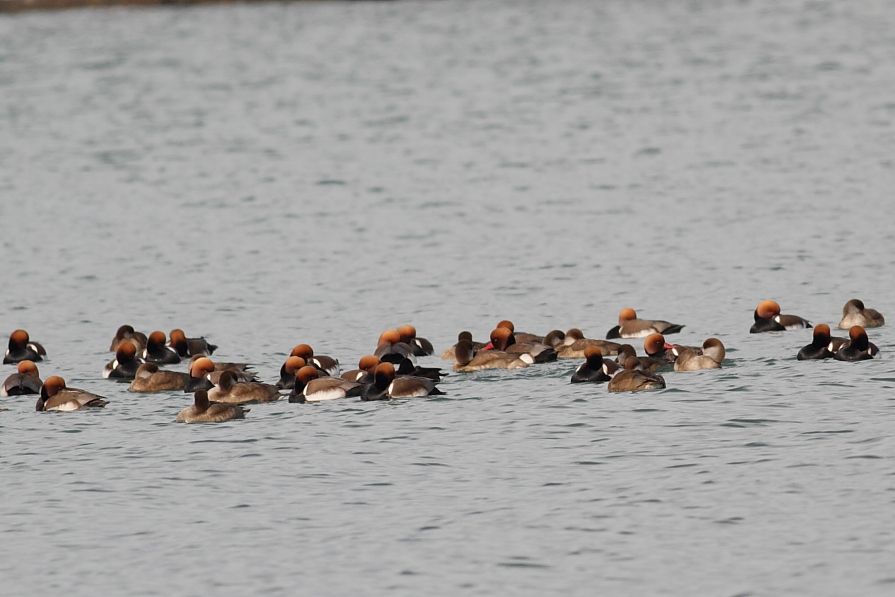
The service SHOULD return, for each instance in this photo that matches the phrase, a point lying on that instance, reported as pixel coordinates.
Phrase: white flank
(526, 358)
(67, 406)
(321, 395)
(640, 334)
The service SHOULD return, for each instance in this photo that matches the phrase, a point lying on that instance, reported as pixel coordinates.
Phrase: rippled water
(315, 172)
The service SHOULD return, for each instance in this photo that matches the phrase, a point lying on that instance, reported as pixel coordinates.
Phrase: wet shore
(7, 6)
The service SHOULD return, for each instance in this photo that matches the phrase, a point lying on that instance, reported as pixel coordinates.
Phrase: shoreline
(14, 6)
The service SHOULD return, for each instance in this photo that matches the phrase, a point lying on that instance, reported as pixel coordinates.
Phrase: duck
(594, 369)
(450, 354)
(632, 379)
(574, 345)
(288, 371)
(202, 375)
(855, 313)
(325, 364)
(822, 346)
(26, 380)
(364, 371)
(504, 339)
(310, 387)
(768, 319)
(189, 347)
(157, 352)
(125, 364)
(555, 339)
(521, 337)
(656, 350)
(710, 356)
(858, 347)
(407, 367)
(204, 411)
(22, 348)
(229, 391)
(150, 379)
(128, 333)
(646, 363)
(241, 369)
(629, 326)
(390, 348)
(470, 360)
(420, 346)
(387, 386)
(54, 395)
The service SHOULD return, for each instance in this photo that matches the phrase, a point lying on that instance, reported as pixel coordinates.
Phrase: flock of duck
(221, 389)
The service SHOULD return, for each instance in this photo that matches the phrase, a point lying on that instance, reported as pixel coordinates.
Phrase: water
(316, 172)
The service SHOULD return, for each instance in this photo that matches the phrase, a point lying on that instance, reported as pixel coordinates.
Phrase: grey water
(270, 174)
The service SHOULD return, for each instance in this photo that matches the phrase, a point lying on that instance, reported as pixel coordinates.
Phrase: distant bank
(23, 5)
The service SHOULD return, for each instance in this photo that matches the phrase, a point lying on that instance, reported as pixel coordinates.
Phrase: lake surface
(271, 174)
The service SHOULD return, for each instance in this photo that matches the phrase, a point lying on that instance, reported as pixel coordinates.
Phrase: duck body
(156, 351)
(54, 395)
(26, 380)
(630, 326)
(189, 347)
(204, 411)
(150, 379)
(468, 361)
(858, 347)
(230, 391)
(387, 386)
(22, 348)
(595, 368)
(855, 313)
(768, 318)
(632, 379)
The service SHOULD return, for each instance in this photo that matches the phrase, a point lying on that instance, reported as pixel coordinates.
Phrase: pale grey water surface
(280, 173)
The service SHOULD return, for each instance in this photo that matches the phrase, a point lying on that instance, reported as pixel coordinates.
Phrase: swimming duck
(855, 313)
(709, 357)
(656, 349)
(407, 367)
(229, 391)
(157, 352)
(385, 385)
(822, 344)
(127, 332)
(203, 411)
(858, 347)
(449, 354)
(288, 371)
(768, 319)
(626, 351)
(21, 348)
(26, 380)
(325, 364)
(189, 347)
(629, 326)
(125, 364)
(632, 379)
(310, 387)
(574, 345)
(202, 375)
(364, 371)
(420, 346)
(150, 379)
(594, 369)
(54, 395)
(521, 337)
(469, 360)
(504, 339)
(390, 348)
